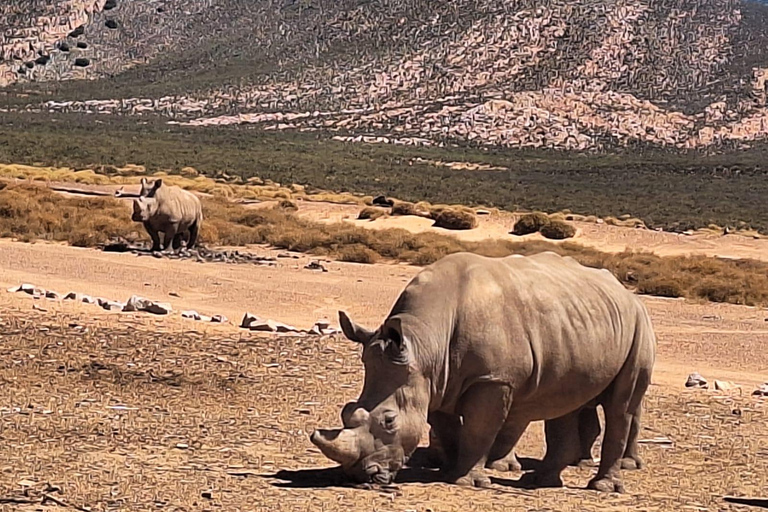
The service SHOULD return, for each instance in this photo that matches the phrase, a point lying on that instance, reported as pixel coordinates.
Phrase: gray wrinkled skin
(170, 210)
(480, 347)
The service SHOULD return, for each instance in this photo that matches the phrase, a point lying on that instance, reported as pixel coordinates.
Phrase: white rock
(158, 308)
(70, 296)
(88, 299)
(762, 390)
(219, 319)
(263, 326)
(194, 315)
(110, 305)
(136, 303)
(50, 294)
(323, 324)
(249, 320)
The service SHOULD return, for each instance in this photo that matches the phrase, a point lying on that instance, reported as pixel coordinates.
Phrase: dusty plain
(129, 411)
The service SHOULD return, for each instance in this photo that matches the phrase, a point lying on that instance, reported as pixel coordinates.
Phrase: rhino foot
(473, 479)
(606, 484)
(632, 463)
(536, 479)
(504, 465)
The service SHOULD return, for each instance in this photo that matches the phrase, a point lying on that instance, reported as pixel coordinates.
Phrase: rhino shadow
(335, 477)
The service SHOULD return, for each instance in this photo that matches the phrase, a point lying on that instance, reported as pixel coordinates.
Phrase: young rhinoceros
(479, 348)
(175, 212)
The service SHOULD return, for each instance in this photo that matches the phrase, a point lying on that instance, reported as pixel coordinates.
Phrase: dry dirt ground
(127, 411)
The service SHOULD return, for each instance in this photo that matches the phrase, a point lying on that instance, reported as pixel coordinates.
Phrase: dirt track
(244, 404)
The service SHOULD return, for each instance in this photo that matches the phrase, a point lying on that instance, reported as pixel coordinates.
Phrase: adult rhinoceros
(479, 348)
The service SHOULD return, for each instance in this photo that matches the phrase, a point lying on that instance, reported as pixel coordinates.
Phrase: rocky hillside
(571, 74)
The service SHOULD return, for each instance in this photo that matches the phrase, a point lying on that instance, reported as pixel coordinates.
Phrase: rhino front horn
(339, 445)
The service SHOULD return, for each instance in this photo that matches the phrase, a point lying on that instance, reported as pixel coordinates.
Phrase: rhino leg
(194, 229)
(632, 458)
(170, 234)
(484, 408)
(563, 447)
(622, 410)
(443, 440)
(589, 430)
(154, 235)
(502, 456)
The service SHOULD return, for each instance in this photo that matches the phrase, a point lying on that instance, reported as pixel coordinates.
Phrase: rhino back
(178, 205)
(552, 329)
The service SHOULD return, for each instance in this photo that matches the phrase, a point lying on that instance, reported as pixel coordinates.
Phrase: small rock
(248, 320)
(208, 495)
(136, 303)
(600, 221)
(687, 233)
(82, 62)
(182, 446)
(50, 294)
(315, 330)
(323, 324)
(695, 380)
(110, 305)
(88, 299)
(722, 385)
(194, 315)
(762, 390)
(70, 296)
(219, 319)
(315, 265)
(112, 24)
(482, 212)
(174, 294)
(26, 288)
(329, 332)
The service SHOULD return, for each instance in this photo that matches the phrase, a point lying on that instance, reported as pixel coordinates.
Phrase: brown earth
(214, 408)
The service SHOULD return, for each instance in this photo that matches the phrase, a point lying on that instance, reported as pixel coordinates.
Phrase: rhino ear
(397, 344)
(353, 331)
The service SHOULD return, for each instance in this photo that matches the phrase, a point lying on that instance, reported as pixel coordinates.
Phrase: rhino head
(383, 427)
(145, 204)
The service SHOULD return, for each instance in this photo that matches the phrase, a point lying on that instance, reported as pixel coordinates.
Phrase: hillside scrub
(29, 213)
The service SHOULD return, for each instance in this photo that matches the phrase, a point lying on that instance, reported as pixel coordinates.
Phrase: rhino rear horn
(353, 331)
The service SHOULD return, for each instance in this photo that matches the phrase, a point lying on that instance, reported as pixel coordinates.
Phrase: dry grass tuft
(557, 230)
(456, 218)
(530, 223)
(404, 208)
(371, 213)
(287, 204)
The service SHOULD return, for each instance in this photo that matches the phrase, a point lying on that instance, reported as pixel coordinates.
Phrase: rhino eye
(389, 420)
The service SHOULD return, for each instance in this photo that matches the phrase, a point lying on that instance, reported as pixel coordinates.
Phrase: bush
(371, 213)
(557, 230)
(530, 223)
(455, 218)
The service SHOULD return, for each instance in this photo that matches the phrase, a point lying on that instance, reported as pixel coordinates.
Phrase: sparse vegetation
(557, 230)
(30, 212)
(404, 208)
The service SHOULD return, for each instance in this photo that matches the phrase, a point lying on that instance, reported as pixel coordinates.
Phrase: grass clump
(371, 213)
(530, 223)
(456, 218)
(557, 230)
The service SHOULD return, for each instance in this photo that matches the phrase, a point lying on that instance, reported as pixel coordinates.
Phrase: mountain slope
(583, 75)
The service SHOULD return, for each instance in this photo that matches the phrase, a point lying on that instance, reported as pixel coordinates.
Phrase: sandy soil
(241, 405)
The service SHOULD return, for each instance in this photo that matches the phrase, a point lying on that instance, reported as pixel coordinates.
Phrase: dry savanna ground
(128, 411)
